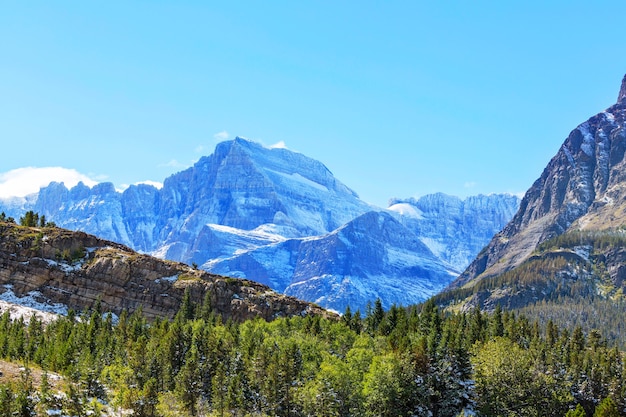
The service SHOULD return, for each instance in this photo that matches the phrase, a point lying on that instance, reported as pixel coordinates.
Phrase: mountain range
(282, 219)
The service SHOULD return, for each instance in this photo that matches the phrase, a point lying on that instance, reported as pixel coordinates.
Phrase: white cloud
(155, 184)
(280, 145)
(23, 181)
(469, 184)
(223, 135)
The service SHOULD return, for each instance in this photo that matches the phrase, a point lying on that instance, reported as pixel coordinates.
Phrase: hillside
(55, 270)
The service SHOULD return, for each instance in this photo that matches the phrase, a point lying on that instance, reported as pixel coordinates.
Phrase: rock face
(74, 270)
(280, 218)
(455, 230)
(242, 186)
(582, 188)
(371, 256)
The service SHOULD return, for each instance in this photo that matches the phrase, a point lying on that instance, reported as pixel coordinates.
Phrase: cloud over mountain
(23, 181)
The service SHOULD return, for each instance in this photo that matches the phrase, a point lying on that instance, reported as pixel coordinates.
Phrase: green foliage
(407, 362)
(606, 408)
(31, 219)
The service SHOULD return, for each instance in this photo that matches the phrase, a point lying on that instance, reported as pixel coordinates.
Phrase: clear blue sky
(398, 98)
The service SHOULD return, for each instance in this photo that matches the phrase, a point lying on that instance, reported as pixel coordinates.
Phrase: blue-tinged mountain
(455, 229)
(281, 218)
(268, 194)
(402, 255)
(371, 256)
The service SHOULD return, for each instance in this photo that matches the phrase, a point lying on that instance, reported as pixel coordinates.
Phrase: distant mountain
(371, 256)
(281, 218)
(456, 230)
(565, 240)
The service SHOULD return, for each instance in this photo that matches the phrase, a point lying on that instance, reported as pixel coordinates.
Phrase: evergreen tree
(30, 219)
(606, 408)
(6, 400)
(188, 388)
(579, 411)
(375, 318)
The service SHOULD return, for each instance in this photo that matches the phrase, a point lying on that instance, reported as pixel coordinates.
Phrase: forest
(416, 361)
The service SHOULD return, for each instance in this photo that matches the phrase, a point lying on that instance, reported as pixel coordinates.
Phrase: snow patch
(588, 144)
(29, 304)
(436, 247)
(569, 156)
(300, 179)
(64, 266)
(171, 279)
(583, 252)
(406, 209)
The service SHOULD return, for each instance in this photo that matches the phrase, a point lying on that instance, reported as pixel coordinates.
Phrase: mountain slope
(371, 256)
(564, 247)
(245, 186)
(454, 229)
(583, 187)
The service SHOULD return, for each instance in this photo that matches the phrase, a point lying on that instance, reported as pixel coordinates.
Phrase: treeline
(404, 362)
(30, 219)
(597, 239)
(547, 274)
(559, 285)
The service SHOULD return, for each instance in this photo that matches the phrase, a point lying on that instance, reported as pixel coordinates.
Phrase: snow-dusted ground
(30, 304)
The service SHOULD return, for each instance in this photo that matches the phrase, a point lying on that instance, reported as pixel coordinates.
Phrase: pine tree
(6, 400)
(188, 387)
(579, 411)
(376, 317)
(606, 408)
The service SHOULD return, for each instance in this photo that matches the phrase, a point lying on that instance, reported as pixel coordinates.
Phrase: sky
(396, 98)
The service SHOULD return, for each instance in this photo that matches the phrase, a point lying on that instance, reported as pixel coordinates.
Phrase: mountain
(403, 255)
(565, 240)
(371, 256)
(54, 270)
(455, 229)
(280, 218)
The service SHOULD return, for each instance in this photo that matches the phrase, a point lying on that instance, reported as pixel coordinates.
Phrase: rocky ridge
(582, 187)
(74, 270)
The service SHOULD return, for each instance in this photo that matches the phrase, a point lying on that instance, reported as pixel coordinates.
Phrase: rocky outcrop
(76, 269)
(582, 187)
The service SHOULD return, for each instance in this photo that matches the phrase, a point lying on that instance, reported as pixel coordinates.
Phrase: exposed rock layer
(77, 269)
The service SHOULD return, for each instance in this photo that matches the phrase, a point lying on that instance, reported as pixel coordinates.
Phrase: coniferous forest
(403, 362)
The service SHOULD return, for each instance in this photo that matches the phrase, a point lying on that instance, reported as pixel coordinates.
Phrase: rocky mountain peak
(583, 187)
(622, 91)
